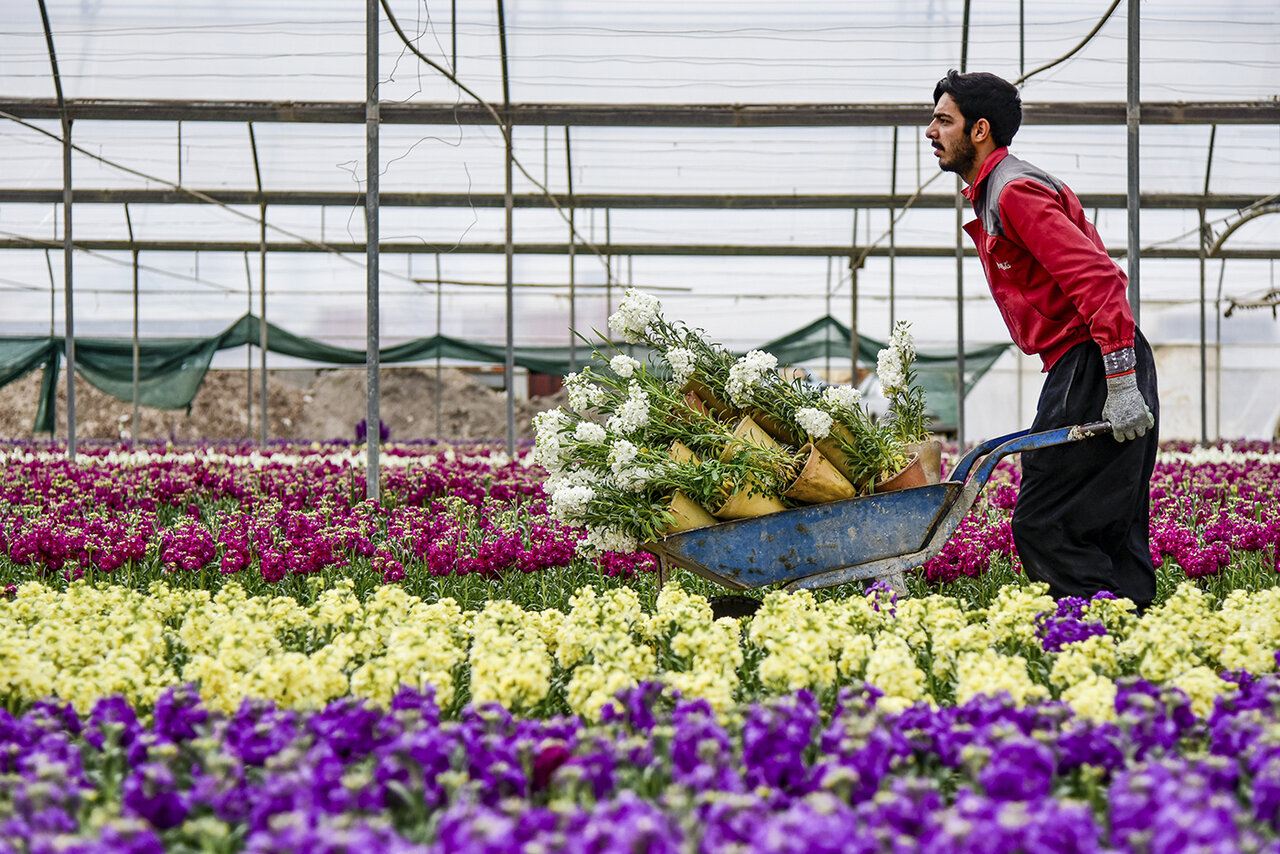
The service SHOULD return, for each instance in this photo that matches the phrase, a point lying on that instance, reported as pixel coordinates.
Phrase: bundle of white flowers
(665, 436)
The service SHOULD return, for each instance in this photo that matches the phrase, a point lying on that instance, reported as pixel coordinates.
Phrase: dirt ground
(323, 404)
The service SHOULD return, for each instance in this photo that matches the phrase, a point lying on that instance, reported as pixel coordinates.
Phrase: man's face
(953, 147)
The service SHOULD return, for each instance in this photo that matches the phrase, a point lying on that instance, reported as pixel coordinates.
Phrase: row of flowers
(659, 774)
(302, 510)
(88, 642)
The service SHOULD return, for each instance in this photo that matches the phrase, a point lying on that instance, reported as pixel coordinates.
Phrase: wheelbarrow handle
(1024, 440)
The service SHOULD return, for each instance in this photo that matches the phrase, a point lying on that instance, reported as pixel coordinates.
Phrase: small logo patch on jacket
(1003, 265)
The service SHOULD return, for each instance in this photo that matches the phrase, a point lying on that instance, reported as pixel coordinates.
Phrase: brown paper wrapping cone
(775, 428)
(911, 475)
(680, 453)
(687, 515)
(819, 481)
(705, 394)
(749, 433)
(830, 449)
(740, 505)
(930, 451)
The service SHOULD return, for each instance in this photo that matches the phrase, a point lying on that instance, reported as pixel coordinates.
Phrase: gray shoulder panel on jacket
(1007, 170)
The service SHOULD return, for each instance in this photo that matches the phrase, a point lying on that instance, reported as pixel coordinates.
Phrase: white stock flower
(633, 414)
(621, 454)
(634, 478)
(590, 432)
(607, 540)
(842, 396)
(547, 450)
(634, 315)
(814, 422)
(681, 361)
(583, 393)
(902, 342)
(890, 370)
(747, 373)
(569, 501)
(623, 365)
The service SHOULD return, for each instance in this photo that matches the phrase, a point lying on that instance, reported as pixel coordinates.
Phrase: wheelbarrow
(858, 539)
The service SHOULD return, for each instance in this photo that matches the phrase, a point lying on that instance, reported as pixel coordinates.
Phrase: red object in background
(541, 385)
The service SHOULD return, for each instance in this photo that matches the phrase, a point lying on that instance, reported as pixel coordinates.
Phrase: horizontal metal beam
(614, 201)
(614, 249)
(630, 115)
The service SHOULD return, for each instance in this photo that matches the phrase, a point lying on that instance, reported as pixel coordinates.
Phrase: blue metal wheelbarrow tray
(858, 539)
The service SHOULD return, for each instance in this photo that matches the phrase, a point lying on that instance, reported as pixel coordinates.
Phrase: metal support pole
(960, 389)
(827, 349)
(133, 435)
(248, 352)
(67, 246)
(1204, 245)
(439, 333)
(262, 284)
(608, 265)
(573, 239)
(509, 205)
(853, 303)
(373, 414)
(893, 245)
(1217, 359)
(1133, 118)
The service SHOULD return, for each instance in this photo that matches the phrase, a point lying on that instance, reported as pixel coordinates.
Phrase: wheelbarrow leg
(662, 571)
(897, 583)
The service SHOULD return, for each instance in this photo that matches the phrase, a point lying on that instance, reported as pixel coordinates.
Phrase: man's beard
(963, 155)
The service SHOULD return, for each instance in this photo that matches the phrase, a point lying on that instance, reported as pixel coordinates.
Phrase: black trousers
(1082, 521)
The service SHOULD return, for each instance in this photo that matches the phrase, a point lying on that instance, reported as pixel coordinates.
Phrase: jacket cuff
(1119, 362)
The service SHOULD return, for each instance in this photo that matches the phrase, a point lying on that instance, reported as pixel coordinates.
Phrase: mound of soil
(321, 404)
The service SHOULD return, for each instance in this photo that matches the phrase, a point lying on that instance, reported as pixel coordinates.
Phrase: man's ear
(981, 130)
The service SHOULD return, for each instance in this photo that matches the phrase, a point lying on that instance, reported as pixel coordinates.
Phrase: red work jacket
(1050, 275)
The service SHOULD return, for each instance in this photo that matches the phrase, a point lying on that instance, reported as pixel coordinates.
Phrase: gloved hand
(1125, 408)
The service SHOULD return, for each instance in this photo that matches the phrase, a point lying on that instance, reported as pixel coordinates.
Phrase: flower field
(220, 649)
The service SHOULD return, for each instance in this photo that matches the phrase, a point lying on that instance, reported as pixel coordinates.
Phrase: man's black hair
(980, 95)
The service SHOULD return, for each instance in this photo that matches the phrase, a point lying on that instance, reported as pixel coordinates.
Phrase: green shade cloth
(170, 370)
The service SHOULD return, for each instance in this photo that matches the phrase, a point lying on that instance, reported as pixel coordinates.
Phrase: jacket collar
(971, 191)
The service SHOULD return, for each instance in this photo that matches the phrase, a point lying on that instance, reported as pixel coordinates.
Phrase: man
(1082, 519)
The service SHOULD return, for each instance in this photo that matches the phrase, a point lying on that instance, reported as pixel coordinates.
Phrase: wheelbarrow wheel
(733, 605)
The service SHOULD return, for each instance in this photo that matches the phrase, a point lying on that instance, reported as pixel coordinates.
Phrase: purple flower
(179, 712)
(1018, 770)
(151, 792)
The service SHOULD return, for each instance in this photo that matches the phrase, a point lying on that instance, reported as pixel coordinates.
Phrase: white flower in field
(623, 365)
(814, 422)
(633, 317)
(633, 415)
(583, 393)
(681, 361)
(590, 432)
(890, 370)
(621, 455)
(842, 396)
(608, 540)
(747, 373)
(569, 501)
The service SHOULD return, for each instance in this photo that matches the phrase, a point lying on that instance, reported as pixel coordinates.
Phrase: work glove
(1125, 408)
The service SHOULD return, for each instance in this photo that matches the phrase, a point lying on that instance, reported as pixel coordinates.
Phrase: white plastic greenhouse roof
(585, 52)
